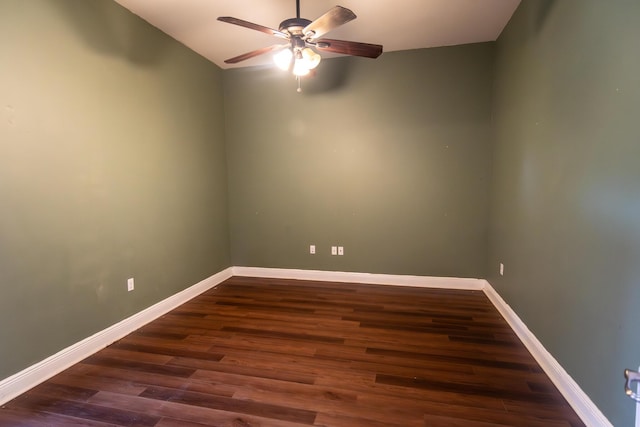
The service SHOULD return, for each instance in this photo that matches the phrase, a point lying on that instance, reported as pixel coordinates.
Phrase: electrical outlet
(312, 249)
(334, 250)
(130, 284)
(501, 269)
(340, 250)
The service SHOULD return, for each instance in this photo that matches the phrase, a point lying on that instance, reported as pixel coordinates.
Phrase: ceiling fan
(303, 35)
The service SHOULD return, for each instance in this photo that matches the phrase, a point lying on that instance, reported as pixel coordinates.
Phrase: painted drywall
(388, 158)
(565, 217)
(112, 166)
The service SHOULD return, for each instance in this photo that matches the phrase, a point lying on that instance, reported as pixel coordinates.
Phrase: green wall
(112, 165)
(388, 158)
(565, 215)
(118, 147)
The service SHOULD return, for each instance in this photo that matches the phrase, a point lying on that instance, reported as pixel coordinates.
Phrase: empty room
(427, 214)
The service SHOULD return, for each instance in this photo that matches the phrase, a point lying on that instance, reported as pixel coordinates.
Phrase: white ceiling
(396, 24)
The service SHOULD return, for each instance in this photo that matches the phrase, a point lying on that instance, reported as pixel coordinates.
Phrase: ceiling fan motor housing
(294, 26)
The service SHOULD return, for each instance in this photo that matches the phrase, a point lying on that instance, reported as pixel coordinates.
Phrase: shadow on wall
(110, 29)
(332, 75)
(542, 11)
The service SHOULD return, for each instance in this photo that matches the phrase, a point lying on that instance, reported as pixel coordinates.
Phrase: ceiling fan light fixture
(310, 58)
(305, 61)
(298, 56)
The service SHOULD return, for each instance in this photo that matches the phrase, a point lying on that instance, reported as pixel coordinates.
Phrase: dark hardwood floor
(266, 352)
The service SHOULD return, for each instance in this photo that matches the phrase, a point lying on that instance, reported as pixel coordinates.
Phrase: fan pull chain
(299, 90)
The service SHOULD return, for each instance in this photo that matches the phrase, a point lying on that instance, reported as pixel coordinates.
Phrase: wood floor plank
(130, 365)
(247, 407)
(187, 413)
(337, 420)
(453, 414)
(137, 382)
(256, 352)
(253, 371)
(52, 404)
(123, 386)
(17, 417)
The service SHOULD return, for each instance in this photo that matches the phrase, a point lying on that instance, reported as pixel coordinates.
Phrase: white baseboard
(366, 278)
(19, 383)
(578, 399)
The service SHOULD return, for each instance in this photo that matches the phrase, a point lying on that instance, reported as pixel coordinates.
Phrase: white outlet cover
(312, 249)
(334, 250)
(501, 269)
(340, 250)
(130, 284)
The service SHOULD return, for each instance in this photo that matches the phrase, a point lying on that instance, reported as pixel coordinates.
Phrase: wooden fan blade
(251, 25)
(350, 48)
(332, 19)
(254, 53)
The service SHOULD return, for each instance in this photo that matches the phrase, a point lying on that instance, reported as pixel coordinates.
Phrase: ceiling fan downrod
(298, 9)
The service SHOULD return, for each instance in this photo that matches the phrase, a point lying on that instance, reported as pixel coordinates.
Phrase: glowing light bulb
(299, 68)
(310, 58)
(283, 59)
